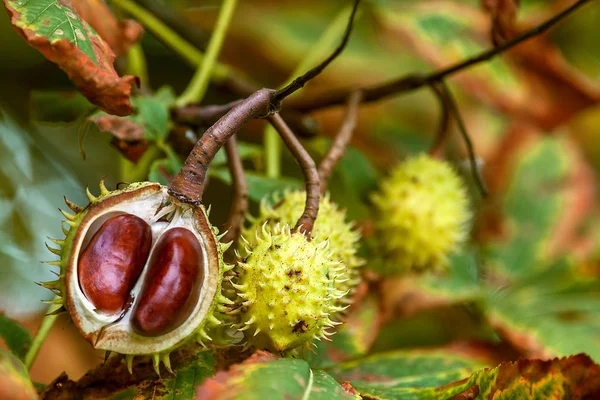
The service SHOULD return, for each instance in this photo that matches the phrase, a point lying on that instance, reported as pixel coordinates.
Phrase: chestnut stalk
(239, 201)
(188, 185)
(444, 125)
(341, 141)
(311, 176)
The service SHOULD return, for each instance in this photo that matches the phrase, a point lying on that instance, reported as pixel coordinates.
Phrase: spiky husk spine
(288, 290)
(219, 308)
(422, 216)
(331, 225)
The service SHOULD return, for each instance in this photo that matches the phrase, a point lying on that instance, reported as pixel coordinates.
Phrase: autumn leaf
(120, 35)
(54, 28)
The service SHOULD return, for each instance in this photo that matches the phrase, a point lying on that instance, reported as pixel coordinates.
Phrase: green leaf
(264, 377)
(553, 313)
(16, 337)
(532, 205)
(14, 380)
(259, 186)
(163, 170)
(352, 340)
(404, 374)
(54, 106)
(460, 284)
(247, 151)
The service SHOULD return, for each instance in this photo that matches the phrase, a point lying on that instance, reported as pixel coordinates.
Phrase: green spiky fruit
(331, 225)
(422, 215)
(288, 289)
(140, 271)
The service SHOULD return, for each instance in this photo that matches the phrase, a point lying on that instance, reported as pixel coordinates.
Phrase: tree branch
(444, 126)
(239, 197)
(300, 81)
(342, 138)
(311, 176)
(416, 81)
(453, 108)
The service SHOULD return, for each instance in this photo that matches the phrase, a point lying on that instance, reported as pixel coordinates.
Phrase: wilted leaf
(575, 377)
(150, 122)
(111, 380)
(404, 374)
(263, 376)
(55, 29)
(120, 35)
(16, 337)
(14, 381)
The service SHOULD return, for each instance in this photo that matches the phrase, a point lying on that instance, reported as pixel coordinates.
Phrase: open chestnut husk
(140, 271)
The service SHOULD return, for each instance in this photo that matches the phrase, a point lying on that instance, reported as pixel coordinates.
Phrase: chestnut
(112, 262)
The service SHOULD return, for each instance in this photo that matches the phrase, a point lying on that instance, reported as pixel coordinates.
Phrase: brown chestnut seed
(112, 262)
(171, 285)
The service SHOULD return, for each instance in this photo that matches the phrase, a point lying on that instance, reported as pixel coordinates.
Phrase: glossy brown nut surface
(112, 262)
(171, 285)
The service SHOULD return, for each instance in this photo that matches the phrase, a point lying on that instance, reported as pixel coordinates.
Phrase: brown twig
(300, 81)
(188, 185)
(342, 138)
(416, 81)
(453, 108)
(309, 169)
(193, 114)
(444, 126)
(239, 196)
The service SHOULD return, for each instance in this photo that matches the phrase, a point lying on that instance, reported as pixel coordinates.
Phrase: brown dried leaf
(128, 135)
(85, 58)
(120, 35)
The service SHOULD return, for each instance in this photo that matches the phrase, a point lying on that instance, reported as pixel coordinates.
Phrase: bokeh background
(533, 116)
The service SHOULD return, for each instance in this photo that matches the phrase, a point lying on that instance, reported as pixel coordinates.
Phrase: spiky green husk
(217, 310)
(288, 289)
(422, 216)
(331, 225)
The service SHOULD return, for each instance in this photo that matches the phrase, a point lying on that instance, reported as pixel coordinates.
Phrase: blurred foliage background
(527, 284)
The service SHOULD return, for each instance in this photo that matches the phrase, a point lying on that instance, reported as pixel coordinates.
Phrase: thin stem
(189, 53)
(444, 126)
(272, 146)
(188, 185)
(453, 108)
(239, 196)
(416, 81)
(311, 176)
(136, 64)
(300, 81)
(341, 141)
(41, 334)
(199, 83)
(319, 50)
